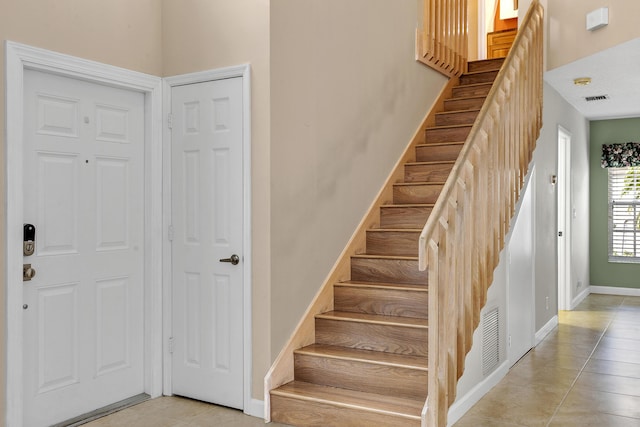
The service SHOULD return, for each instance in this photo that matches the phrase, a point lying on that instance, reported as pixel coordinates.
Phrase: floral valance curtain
(620, 155)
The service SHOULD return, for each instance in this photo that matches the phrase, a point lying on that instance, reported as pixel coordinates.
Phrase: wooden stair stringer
(282, 369)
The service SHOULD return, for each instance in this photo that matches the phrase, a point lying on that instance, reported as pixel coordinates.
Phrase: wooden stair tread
(398, 230)
(457, 112)
(389, 405)
(390, 257)
(470, 85)
(437, 162)
(409, 205)
(475, 73)
(467, 97)
(382, 285)
(410, 322)
(435, 144)
(449, 126)
(369, 356)
(401, 184)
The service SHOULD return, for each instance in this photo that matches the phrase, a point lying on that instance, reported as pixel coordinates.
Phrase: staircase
(368, 365)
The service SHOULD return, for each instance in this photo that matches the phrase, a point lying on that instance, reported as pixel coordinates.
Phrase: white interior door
(83, 192)
(207, 362)
(521, 279)
(564, 219)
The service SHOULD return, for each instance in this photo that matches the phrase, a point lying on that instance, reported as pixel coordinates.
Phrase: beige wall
(346, 97)
(569, 39)
(206, 34)
(118, 32)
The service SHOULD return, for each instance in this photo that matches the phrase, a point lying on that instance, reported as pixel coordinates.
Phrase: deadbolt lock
(29, 240)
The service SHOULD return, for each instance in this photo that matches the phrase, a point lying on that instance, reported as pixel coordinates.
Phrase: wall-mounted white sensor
(598, 18)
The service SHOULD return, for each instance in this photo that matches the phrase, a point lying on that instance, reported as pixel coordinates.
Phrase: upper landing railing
(443, 43)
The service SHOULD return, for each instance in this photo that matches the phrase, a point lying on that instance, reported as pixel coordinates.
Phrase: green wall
(603, 272)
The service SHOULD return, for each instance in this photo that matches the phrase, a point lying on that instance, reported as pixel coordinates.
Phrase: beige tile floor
(178, 412)
(585, 373)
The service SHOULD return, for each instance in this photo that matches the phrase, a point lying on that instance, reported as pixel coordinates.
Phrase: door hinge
(170, 345)
(170, 233)
(170, 121)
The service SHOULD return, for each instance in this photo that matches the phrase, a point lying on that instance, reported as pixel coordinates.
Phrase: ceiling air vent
(596, 98)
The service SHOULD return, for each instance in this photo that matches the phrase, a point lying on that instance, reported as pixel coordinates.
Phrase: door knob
(235, 259)
(28, 272)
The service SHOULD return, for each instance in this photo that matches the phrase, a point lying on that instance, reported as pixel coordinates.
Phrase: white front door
(206, 138)
(83, 192)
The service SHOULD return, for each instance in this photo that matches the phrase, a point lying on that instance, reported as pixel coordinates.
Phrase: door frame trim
(252, 406)
(18, 58)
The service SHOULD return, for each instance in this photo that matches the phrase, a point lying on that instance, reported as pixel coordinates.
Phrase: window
(624, 214)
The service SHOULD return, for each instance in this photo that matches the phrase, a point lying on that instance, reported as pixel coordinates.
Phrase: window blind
(624, 214)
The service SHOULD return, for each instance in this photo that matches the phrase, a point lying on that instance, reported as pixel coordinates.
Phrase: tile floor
(585, 373)
(178, 412)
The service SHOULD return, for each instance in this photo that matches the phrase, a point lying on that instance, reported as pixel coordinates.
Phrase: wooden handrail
(462, 239)
(443, 43)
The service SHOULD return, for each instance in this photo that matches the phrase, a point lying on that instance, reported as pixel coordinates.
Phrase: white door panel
(207, 220)
(83, 191)
(521, 278)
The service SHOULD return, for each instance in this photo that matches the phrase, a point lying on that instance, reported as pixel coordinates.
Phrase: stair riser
(483, 77)
(437, 153)
(404, 217)
(361, 376)
(447, 134)
(387, 271)
(457, 118)
(485, 65)
(458, 104)
(427, 173)
(475, 90)
(388, 302)
(372, 336)
(418, 193)
(305, 413)
(398, 243)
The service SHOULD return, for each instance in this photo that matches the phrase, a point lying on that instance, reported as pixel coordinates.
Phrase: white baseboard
(580, 297)
(255, 408)
(610, 290)
(463, 404)
(544, 331)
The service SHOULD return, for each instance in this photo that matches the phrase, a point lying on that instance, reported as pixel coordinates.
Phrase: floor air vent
(490, 341)
(596, 98)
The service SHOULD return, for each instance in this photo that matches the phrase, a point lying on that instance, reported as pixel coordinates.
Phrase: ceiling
(614, 72)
